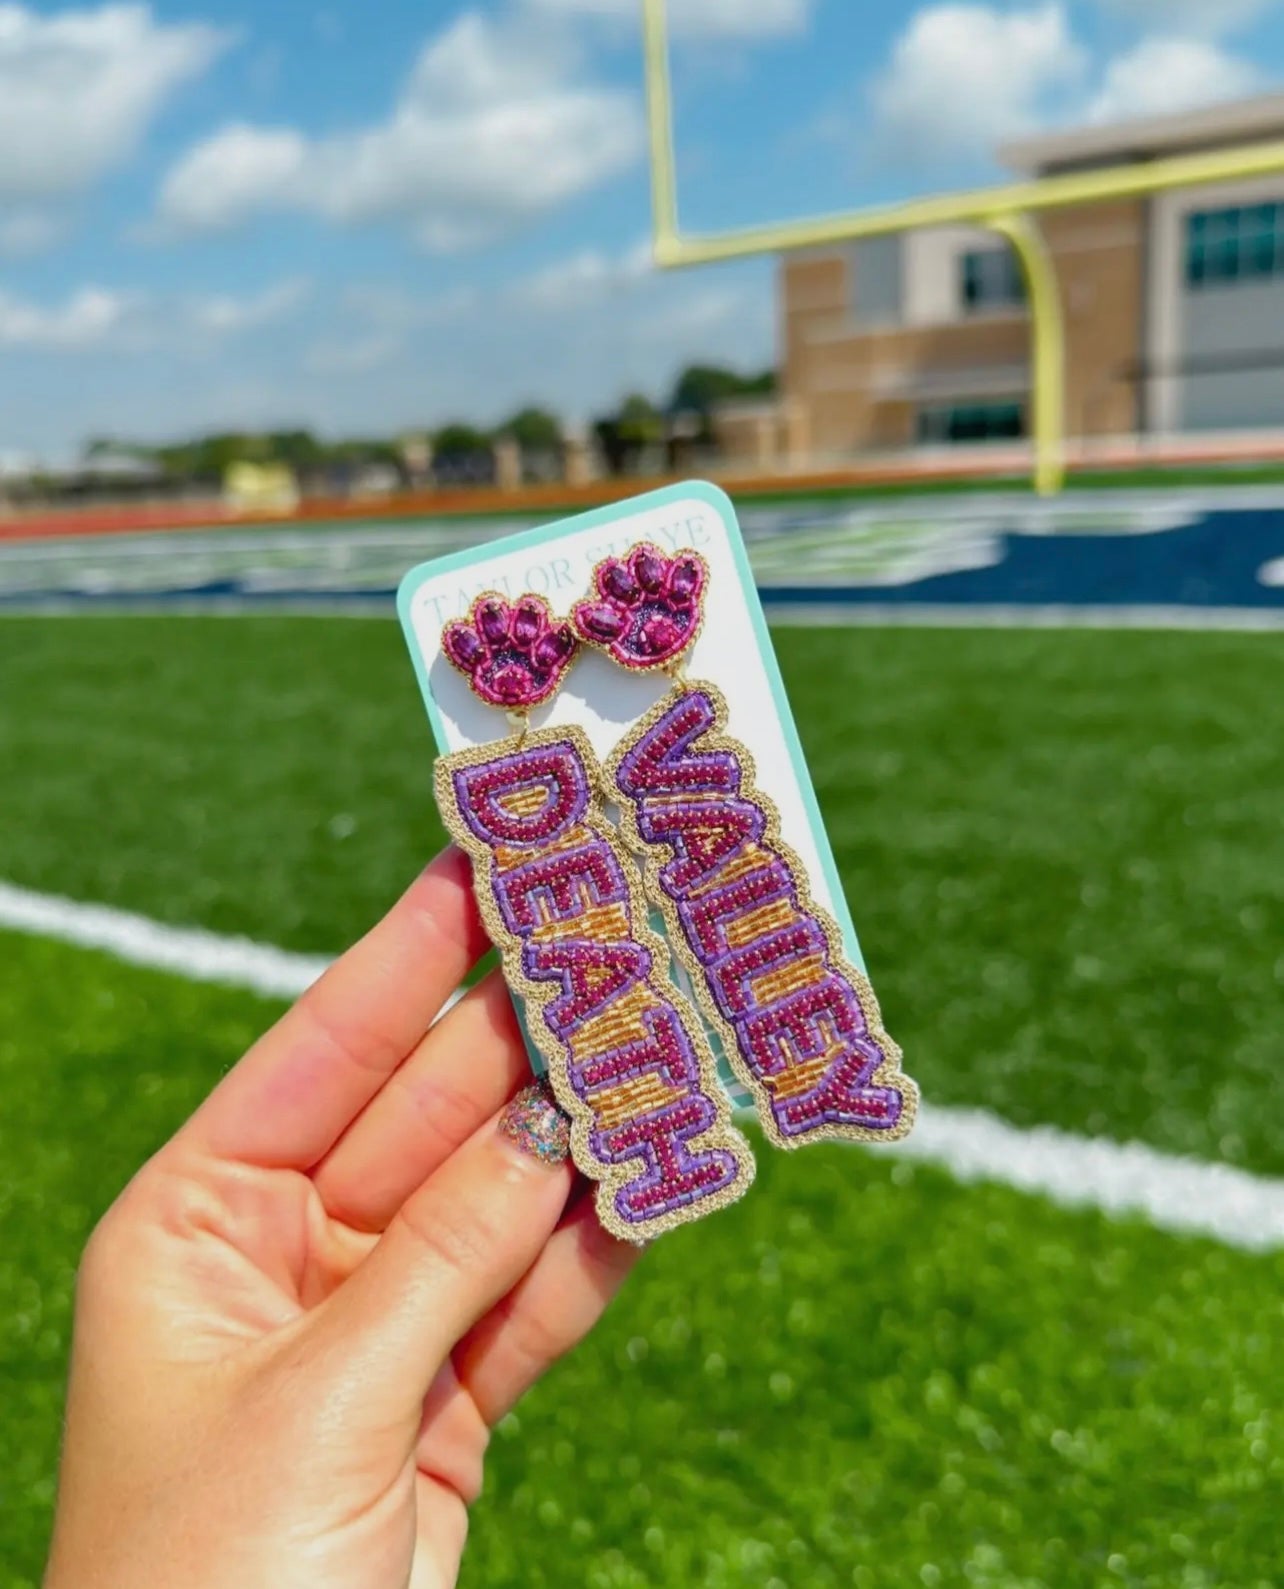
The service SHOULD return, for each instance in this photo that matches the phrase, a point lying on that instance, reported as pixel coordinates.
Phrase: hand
(298, 1324)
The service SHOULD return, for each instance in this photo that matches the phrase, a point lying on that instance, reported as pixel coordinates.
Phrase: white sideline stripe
(1184, 1196)
(1187, 1197)
(189, 952)
(973, 615)
(833, 614)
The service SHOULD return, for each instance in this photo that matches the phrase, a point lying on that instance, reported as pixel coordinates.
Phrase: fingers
(550, 1311)
(302, 1085)
(458, 1077)
(461, 1242)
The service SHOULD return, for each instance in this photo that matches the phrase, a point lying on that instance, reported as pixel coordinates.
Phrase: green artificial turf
(1062, 848)
(261, 776)
(863, 1375)
(98, 1065)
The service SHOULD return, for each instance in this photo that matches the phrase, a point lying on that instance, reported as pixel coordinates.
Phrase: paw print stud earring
(648, 608)
(514, 657)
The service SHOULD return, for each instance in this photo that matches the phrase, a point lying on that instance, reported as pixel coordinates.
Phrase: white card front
(733, 651)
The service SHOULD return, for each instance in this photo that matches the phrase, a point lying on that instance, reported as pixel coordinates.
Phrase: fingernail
(535, 1125)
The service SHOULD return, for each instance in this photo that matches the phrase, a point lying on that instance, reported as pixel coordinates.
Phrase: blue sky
(216, 213)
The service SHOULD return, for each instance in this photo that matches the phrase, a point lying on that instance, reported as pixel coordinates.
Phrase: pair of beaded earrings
(568, 907)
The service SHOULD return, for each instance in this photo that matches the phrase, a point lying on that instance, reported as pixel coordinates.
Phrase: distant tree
(640, 422)
(354, 452)
(534, 430)
(701, 387)
(298, 448)
(624, 435)
(456, 438)
(207, 458)
(606, 430)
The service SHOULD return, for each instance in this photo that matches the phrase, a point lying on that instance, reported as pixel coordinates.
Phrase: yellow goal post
(1009, 210)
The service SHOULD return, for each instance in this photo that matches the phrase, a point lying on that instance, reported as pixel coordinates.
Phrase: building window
(970, 422)
(1243, 243)
(991, 280)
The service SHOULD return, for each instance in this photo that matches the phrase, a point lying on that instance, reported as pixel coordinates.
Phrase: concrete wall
(876, 270)
(851, 385)
(1098, 251)
(915, 279)
(1233, 320)
(863, 348)
(1221, 319)
(934, 272)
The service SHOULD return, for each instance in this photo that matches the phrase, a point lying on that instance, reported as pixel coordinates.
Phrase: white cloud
(383, 321)
(588, 275)
(233, 174)
(964, 77)
(700, 19)
(354, 355)
(406, 360)
(1163, 75)
(96, 318)
(89, 318)
(575, 335)
(78, 90)
(377, 323)
(497, 125)
(221, 314)
(395, 311)
(1189, 16)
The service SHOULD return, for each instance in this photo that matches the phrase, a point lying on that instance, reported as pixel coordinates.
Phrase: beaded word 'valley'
(801, 1025)
(559, 897)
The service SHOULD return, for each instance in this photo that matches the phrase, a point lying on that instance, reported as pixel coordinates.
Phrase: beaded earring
(800, 1024)
(560, 898)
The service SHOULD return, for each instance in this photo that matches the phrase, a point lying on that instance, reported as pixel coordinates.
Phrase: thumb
(458, 1245)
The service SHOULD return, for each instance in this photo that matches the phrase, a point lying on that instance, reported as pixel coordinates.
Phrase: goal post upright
(1009, 209)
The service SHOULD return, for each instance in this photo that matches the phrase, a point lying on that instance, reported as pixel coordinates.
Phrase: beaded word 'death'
(801, 1024)
(631, 1068)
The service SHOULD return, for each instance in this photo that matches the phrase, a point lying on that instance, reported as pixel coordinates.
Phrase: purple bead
(492, 620)
(529, 619)
(660, 635)
(648, 565)
(602, 622)
(618, 583)
(686, 579)
(464, 648)
(553, 648)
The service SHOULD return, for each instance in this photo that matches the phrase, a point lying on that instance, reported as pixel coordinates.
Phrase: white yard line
(828, 614)
(1184, 1196)
(834, 614)
(189, 952)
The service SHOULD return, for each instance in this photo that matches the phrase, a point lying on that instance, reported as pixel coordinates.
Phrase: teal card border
(541, 535)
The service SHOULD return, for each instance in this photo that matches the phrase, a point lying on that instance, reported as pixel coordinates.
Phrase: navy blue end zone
(1222, 560)
(1125, 557)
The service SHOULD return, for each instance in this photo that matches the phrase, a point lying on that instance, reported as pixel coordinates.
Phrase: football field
(1063, 849)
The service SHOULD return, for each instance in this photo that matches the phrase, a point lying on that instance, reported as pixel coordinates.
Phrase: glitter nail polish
(535, 1124)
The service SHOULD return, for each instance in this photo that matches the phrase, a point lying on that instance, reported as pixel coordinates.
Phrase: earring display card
(734, 651)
